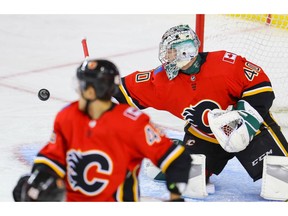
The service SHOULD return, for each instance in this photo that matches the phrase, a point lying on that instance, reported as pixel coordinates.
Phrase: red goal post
(261, 38)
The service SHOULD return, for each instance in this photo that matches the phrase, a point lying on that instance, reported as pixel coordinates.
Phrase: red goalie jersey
(94, 156)
(223, 79)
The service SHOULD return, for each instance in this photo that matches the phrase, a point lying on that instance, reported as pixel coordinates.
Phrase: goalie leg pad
(196, 186)
(275, 178)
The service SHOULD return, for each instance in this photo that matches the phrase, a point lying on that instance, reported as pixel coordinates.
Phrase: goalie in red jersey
(224, 98)
(97, 147)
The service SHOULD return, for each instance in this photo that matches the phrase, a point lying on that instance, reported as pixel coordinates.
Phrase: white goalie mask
(179, 45)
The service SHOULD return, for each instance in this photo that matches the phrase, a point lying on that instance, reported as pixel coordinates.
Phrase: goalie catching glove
(234, 129)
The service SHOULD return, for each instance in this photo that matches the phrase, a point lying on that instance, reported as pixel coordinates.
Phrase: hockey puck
(43, 94)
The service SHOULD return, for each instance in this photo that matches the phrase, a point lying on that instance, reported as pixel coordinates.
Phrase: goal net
(263, 40)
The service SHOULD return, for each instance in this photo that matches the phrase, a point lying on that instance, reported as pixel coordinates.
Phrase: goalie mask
(178, 47)
(102, 75)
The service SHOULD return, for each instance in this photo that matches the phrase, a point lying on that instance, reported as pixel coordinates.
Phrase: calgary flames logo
(87, 171)
(197, 115)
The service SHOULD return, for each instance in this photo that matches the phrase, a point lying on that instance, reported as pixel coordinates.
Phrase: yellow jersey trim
(203, 137)
(278, 142)
(171, 157)
(257, 91)
(127, 98)
(42, 160)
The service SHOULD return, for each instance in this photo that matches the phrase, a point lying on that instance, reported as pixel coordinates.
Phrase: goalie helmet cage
(261, 39)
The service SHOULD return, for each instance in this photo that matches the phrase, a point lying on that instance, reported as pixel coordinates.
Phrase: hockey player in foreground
(225, 100)
(97, 147)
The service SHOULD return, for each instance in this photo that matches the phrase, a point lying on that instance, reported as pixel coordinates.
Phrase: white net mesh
(263, 40)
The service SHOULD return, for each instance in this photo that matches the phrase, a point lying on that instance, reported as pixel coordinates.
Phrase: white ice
(43, 51)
